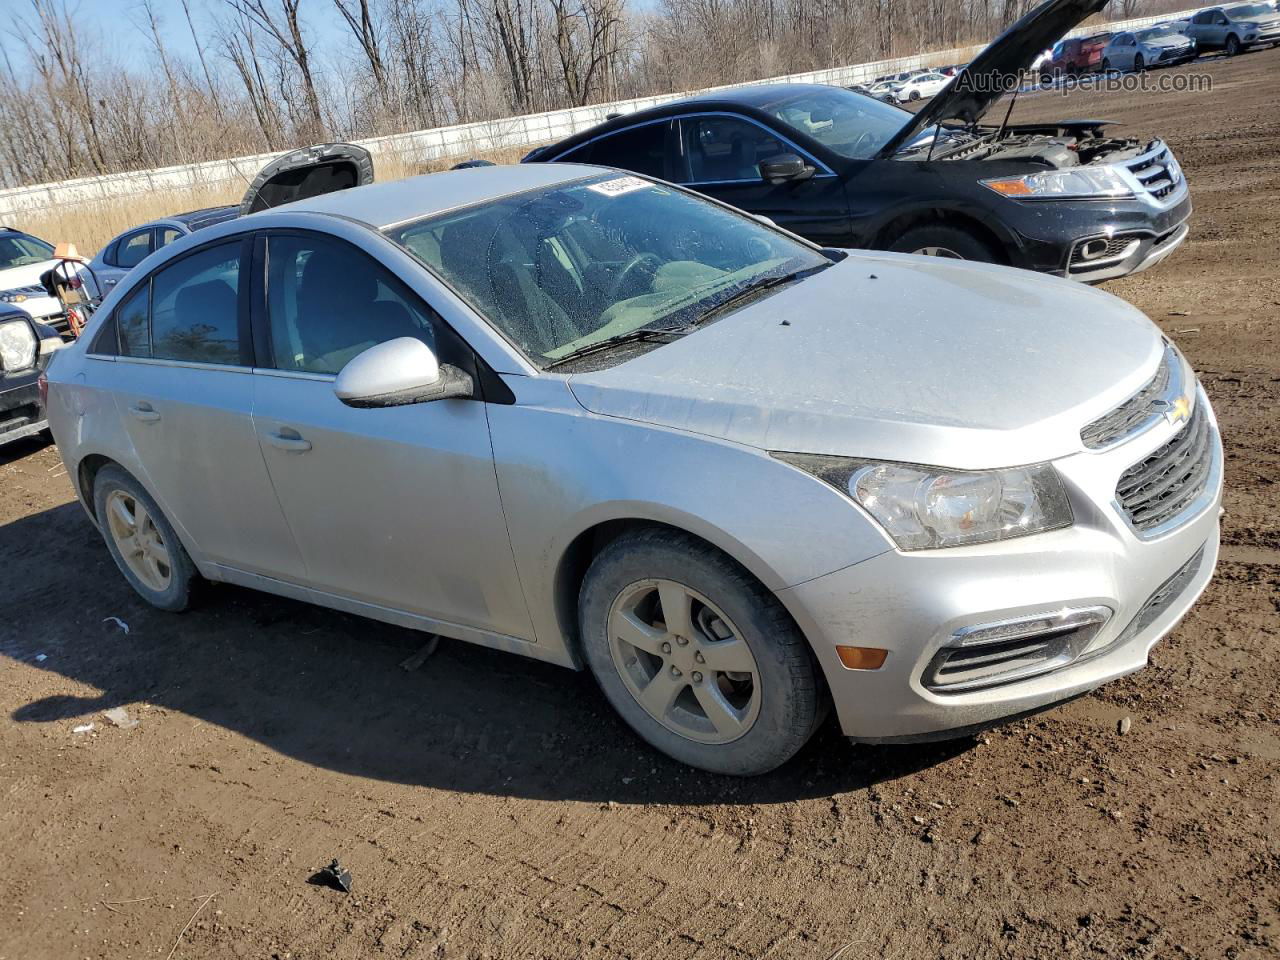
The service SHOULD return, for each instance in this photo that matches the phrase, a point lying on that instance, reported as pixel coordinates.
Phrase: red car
(1075, 55)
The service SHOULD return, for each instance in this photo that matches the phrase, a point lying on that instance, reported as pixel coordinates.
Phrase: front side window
(327, 302)
(561, 268)
(20, 250)
(851, 126)
(133, 249)
(727, 148)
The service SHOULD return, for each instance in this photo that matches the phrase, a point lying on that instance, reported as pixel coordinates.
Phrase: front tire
(945, 240)
(1139, 64)
(696, 656)
(142, 542)
(1233, 45)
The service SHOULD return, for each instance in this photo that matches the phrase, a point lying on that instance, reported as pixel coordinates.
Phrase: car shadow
(15, 450)
(328, 689)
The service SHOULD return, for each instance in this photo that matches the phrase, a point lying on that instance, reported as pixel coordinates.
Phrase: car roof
(399, 201)
(204, 217)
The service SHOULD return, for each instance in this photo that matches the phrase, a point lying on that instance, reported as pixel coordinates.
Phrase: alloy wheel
(937, 252)
(139, 540)
(684, 661)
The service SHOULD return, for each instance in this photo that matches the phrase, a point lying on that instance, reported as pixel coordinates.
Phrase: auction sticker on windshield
(619, 185)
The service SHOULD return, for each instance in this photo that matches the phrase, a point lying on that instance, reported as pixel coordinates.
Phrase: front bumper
(20, 412)
(915, 604)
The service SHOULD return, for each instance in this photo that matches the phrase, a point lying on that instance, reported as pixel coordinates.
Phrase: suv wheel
(696, 656)
(142, 542)
(1139, 64)
(1233, 45)
(944, 240)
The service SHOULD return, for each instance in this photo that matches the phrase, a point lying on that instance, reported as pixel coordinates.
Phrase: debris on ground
(83, 728)
(41, 657)
(1123, 726)
(424, 654)
(119, 716)
(118, 622)
(334, 875)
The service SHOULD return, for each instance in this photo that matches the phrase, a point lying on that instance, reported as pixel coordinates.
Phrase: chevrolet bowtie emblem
(1177, 411)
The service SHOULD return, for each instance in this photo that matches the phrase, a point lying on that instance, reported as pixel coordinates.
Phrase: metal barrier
(456, 141)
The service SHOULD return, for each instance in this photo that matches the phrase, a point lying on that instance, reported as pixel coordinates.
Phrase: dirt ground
(489, 806)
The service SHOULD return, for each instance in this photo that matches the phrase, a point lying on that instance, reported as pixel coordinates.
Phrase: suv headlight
(17, 345)
(923, 508)
(1078, 183)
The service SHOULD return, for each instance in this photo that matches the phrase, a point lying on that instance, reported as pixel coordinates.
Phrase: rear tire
(914, 96)
(142, 542)
(1233, 45)
(669, 622)
(945, 240)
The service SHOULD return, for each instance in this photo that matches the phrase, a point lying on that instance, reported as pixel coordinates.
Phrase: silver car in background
(1163, 45)
(601, 421)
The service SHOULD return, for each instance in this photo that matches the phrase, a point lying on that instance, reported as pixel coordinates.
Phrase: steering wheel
(631, 270)
(853, 150)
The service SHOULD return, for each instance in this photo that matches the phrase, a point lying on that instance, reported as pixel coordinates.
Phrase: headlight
(1080, 183)
(21, 294)
(17, 345)
(925, 507)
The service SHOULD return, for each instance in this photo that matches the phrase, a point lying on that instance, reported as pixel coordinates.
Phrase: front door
(723, 154)
(397, 506)
(184, 388)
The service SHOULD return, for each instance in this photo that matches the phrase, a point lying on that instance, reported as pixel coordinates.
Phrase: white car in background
(23, 258)
(921, 87)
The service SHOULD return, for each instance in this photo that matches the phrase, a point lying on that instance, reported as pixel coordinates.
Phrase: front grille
(1157, 171)
(1161, 600)
(1156, 490)
(1136, 412)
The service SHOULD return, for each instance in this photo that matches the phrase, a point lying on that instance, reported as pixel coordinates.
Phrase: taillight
(42, 383)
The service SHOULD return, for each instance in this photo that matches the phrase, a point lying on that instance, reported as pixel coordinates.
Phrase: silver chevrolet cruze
(601, 421)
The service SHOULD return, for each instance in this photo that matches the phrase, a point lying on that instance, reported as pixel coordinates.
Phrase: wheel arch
(900, 221)
(575, 557)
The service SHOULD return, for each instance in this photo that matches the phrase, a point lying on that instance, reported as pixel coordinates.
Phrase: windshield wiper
(754, 289)
(640, 334)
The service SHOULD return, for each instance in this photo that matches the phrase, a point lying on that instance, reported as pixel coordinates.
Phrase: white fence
(459, 140)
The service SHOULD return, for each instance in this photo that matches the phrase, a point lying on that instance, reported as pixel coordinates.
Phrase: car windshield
(561, 269)
(1250, 10)
(846, 123)
(20, 250)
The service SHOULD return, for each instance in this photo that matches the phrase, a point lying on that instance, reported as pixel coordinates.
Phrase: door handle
(145, 412)
(287, 439)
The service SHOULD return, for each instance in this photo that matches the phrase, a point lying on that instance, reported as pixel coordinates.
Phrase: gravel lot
(493, 807)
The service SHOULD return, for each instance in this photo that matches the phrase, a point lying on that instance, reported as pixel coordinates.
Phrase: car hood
(993, 72)
(27, 275)
(1262, 23)
(895, 357)
(1175, 41)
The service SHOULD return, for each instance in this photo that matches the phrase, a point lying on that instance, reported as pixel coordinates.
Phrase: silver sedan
(601, 421)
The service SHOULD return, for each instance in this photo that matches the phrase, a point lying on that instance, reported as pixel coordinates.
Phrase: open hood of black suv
(308, 172)
(995, 71)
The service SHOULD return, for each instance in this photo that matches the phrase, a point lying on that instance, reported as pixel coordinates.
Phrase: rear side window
(187, 311)
(640, 149)
(327, 302)
(132, 250)
(167, 236)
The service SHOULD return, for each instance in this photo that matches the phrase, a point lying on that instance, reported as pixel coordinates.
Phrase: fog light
(862, 658)
(1093, 249)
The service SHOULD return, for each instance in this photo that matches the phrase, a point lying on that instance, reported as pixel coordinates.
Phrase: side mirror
(399, 372)
(784, 167)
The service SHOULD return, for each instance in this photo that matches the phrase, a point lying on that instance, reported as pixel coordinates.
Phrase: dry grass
(90, 225)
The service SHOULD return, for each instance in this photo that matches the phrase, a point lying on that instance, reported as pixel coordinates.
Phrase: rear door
(183, 386)
(395, 507)
(719, 154)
